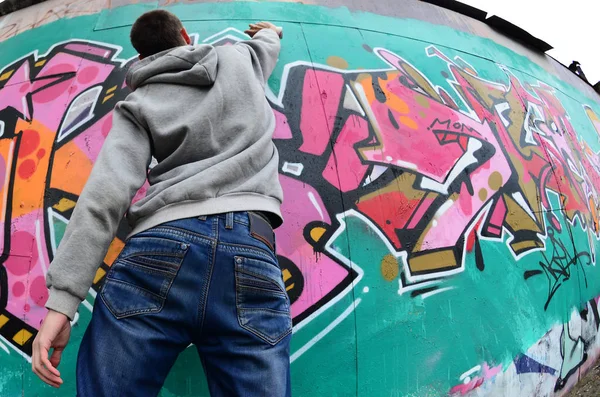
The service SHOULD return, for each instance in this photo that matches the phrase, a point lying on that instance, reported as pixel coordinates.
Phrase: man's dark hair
(156, 31)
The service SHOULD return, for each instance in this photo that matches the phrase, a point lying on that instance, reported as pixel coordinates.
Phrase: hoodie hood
(187, 65)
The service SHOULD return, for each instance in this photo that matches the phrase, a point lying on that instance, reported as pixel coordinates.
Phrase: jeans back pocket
(263, 307)
(139, 280)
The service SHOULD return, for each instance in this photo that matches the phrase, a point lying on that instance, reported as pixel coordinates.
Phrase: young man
(200, 265)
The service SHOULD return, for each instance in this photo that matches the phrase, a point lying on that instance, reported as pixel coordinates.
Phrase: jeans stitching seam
(182, 233)
(170, 285)
(157, 253)
(264, 337)
(130, 312)
(246, 248)
(276, 291)
(215, 229)
(265, 262)
(142, 236)
(254, 310)
(264, 278)
(143, 290)
(151, 270)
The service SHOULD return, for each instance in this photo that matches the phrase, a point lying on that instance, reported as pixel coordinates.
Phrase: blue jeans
(211, 281)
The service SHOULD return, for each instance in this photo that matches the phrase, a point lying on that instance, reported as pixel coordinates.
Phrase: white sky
(572, 27)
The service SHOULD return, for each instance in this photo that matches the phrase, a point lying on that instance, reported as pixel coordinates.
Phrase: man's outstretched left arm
(119, 172)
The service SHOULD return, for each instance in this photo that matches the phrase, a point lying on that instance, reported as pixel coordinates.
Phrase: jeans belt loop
(229, 220)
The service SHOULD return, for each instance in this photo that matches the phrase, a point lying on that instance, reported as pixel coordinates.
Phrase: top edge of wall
(344, 13)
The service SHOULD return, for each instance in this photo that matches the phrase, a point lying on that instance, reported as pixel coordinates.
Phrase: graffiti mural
(436, 180)
(55, 112)
(403, 188)
(542, 370)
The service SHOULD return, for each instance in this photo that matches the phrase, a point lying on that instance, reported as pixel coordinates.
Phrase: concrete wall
(442, 181)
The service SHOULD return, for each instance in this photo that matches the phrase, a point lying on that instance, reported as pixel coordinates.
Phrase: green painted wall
(441, 223)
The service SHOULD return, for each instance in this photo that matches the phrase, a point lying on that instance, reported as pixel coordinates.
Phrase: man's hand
(54, 333)
(257, 27)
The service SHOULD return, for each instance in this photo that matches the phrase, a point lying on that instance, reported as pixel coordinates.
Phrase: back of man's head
(157, 31)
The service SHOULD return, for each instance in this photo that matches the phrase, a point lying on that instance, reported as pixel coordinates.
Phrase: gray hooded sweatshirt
(201, 112)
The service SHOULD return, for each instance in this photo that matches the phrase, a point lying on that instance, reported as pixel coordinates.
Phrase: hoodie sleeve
(264, 50)
(117, 175)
